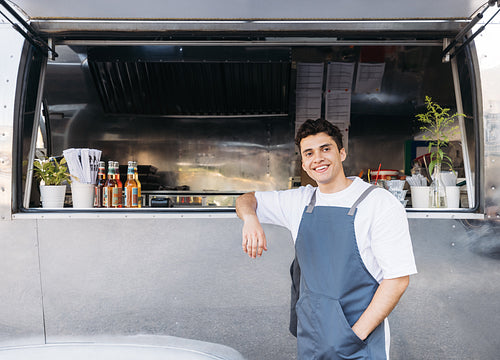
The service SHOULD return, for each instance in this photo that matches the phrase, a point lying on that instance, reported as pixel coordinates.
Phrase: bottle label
(135, 196)
(105, 197)
(120, 196)
(97, 198)
(131, 197)
(115, 201)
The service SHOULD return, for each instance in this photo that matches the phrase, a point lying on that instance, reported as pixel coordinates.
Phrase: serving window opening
(208, 123)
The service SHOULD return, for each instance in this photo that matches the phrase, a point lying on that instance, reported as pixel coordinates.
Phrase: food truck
(206, 97)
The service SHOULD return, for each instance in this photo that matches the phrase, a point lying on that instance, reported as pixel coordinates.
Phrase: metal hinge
(25, 29)
(447, 54)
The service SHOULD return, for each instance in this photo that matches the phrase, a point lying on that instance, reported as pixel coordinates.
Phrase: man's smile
(321, 168)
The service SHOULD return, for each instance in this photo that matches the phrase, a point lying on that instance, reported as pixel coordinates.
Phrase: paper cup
(453, 196)
(420, 196)
(83, 195)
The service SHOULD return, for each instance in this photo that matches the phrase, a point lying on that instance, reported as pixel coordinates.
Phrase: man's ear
(343, 154)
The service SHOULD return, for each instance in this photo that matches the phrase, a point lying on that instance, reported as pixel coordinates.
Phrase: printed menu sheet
(338, 106)
(369, 77)
(338, 94)
(309, 91)
(339, 76)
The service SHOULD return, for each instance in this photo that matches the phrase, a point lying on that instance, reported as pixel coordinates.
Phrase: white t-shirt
(381, 225)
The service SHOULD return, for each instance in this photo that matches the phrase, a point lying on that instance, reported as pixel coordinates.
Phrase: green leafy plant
(51, 172)
(438, 123)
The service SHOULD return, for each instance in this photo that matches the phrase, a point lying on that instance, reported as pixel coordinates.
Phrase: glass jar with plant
(52, 174)
(439, 127)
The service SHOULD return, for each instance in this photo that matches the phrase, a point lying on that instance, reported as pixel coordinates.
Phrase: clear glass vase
(437, 191)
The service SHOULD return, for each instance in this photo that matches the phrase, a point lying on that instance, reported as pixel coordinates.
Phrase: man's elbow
(398, 285)
(246, 204)
(403, 283)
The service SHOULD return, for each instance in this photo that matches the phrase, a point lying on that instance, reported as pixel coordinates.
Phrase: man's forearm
(385, 299)
(254, 240)
(246, 205)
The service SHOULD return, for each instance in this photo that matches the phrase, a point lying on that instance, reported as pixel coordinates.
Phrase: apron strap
(361, 198)
(312, 202)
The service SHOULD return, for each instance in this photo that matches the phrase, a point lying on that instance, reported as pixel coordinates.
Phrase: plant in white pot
(439, 127)
(52, 175)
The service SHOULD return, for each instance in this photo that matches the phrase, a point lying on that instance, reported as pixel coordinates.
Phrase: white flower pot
(52, 195)
(453, 196)
(420, 196)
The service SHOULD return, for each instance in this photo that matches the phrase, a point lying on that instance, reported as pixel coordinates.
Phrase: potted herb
(439, 127)
(52, 174)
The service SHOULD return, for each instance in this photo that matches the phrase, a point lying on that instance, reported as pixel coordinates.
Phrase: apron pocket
(323, 326)
(307, 338)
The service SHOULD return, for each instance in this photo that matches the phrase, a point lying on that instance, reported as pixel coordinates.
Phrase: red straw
(378, 172)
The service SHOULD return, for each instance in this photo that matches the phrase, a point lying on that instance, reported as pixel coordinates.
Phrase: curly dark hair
(313, 127)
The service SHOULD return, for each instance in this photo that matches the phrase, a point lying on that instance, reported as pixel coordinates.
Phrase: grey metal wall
(21, 316)
(489, 68)
(450, 310)
(184, 277)
(10, 58)
(190, 278)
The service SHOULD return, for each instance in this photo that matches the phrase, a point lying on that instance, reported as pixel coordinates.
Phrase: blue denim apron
(335, 287)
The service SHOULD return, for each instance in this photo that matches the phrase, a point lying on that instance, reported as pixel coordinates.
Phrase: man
(352, 244)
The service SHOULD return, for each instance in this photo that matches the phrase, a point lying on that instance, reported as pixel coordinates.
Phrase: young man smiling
(352, 244)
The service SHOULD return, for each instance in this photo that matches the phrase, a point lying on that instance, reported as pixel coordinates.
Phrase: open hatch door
(250, 9)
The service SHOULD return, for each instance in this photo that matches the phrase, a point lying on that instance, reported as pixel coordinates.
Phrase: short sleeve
(391, 242)
(284, 207)
(269, 208)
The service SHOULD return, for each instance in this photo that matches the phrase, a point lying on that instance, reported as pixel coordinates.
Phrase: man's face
(322, 161)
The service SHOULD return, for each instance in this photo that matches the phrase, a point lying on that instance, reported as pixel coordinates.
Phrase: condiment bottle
(136, 178)
(131, 189)
(99, 188)
(109, 188)
(118, 192)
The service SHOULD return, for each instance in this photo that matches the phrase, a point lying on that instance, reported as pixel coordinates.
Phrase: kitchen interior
(207, 123)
